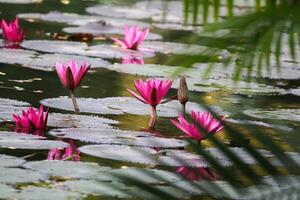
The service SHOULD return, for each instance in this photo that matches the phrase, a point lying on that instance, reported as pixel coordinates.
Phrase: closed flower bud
(183, 91)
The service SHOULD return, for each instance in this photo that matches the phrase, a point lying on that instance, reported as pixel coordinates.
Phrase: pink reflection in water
(198, 173)
(69, 153)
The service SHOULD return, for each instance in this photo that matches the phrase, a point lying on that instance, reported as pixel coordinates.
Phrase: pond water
(111, 131)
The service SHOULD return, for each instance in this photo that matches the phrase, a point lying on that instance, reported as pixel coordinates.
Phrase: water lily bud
(183, 91)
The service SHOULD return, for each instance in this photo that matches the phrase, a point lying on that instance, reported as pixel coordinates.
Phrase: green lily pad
(15, 175)
(120, 12)
(7, 191)
(276, 114)
(66, 169)
(80, 48)
(117, 137)
(97, 29)
(71, 120)
(38, 193)
(106, 189)
(21, 136)
(16, 56)
(121, 105)
(19, 1)
(8, 107)
(10, 161)
(76, 19)
(32, 144)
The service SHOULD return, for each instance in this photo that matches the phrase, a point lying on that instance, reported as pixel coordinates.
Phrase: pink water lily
(70, 75)
(196, 174)
(32, 118)
(203, 119)
(151, 92)
(12, 31)
(133, 38)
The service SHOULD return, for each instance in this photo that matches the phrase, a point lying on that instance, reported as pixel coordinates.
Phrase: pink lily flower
(70, 75)
(32, 118)
(12, 32)
(151, 92)
(204, 119)
(134, 36)
(196, 174)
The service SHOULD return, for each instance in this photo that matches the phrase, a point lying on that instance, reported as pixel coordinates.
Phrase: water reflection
(197, 174)
(131, 59)
(69, 153)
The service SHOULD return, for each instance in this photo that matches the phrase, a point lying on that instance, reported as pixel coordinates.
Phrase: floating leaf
(121, 105)
(104, 29)
(80, 48)
(277, 114)
(75, 19)
(118, 137)
(145, 155)
(72, 120)
(8, 107)
(176, 48)
(15, 175)
(112, 189)
(147, 176)
(10, 161)
(120, 12)
(6, 191)
(66, 169)
(38, 193)
(20, 136)
(16, 56)
(32, 144)
(142, 155)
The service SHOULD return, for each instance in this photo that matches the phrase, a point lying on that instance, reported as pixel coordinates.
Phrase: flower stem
(152, 118)
(76, 108)
(183, 108)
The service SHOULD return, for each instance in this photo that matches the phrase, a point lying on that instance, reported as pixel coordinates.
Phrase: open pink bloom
(151, 91)
(70, 74)
(134, 36)
(12, 31)
(196, 174)
(203, 119)
(32, 118)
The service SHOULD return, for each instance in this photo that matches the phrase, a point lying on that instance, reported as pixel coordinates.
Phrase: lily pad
(66, 169)
(80, 48)
(110, 189)
(9, 107)
(97, 29)
(121, 105)
(142, 155)
(120, 12)
(6, 191)
(117, 137)
(32, 144)
(80, 20)
(20, 136)
(47, 61)
(176, 48)
(15, 175)
(37, 193)
(10, 161)
(278, 114)
(16, 56)
(147, 176)
(71, 120)
(145, 155)
(180, 27)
